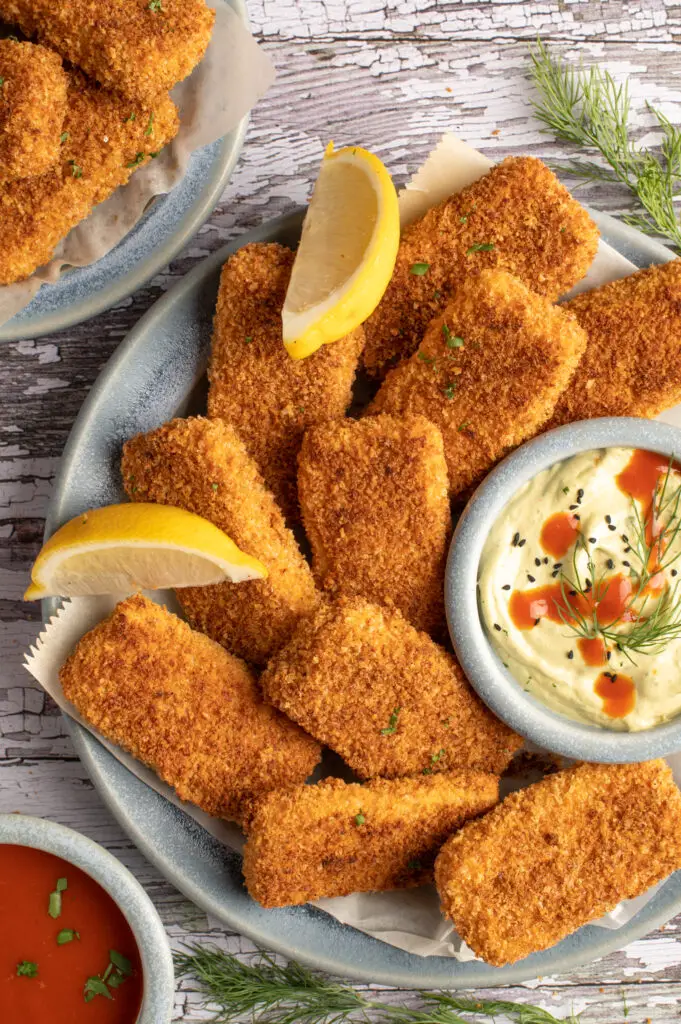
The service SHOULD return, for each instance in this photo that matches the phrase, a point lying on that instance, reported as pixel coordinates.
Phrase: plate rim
(417, 972)
(141, 273)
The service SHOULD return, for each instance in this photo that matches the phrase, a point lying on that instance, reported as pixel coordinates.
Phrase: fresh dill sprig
(587, 107)
(273, 993)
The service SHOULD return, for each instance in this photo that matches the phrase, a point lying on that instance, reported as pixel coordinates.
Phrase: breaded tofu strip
(181, 704)
(33, 88)
(559, 854)
(139, 48)
(517, 218)
(335, 838)
(202, 466)
(488, 373)
(101, 149)
(382, 695)
(373, 494)
(270, 398)
(632, 363)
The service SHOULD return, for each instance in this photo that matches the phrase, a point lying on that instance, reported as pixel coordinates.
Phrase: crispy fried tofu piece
(180, 703)
(270, 398)
(201, 465)
(384, 696)
(632, 363)
(139, 48)
(559, 854)
(33, 88)
(373, 494)
(517, 218)
(102, 148)
(489, 372)
(335, 838)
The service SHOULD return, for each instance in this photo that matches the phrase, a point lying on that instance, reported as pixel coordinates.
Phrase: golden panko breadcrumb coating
(201, 465)
(373, 494)
(254, 384)
(383, 695)
(139, 48)
(335, 838)
(489, 372)
(559, 854)
(33, 88)
(517, 218)
(181, 704)
(632, 363)
(102, 147)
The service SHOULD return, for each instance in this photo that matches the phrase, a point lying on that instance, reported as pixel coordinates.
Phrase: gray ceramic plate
(167, 225)
(157, 373)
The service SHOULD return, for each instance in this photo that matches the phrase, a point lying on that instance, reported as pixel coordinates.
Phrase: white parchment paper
(234, 73)
(408, 919)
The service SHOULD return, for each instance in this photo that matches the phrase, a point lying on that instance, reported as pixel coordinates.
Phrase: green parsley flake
(463, 218)
(121, 962)
(150, 127)
(429, 360)
(436, 294)
(248, 339)
(566, 490)
(137, 161)
(27, 969)
(215, 486)
(438, 757)
(481, 247)
(452, 340)
(76, 171)
(66, 935)
(427, 771)
(463, 426)
(155, 5)
(2, 82)
(359, 818)
(131, 118)
(94, 986)
(64, 137)
(62, 885)
(448, 392)
(419, 269)
(392, 724)
(54, 905)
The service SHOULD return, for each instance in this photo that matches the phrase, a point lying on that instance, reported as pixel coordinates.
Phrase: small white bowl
(486, 673)
(158, 980)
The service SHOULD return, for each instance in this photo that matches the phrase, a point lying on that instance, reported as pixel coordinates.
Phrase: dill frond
(588, 108)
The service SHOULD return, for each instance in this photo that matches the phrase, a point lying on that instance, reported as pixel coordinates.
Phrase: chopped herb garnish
(566, 490)
(150, 127)
(64, 137)
(437, 294)
(481, 247)
(359, 818)
(427, 771)
(451, 340)
(27, 969)
(425, 358)
(62, 885)
(437, 757)
(248, 339)
(155, 5)
(463, 218)
(463, 426)
(215, 486)
(54, 905)
(66, 935)
(121, 962)
(131, 118)
(76, 171)
(94, 986)
(392, 723)
(419, 269)
(137, 161)
(448, 392)
(2, 82)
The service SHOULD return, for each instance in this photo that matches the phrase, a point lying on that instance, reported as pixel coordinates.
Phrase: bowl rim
(158, 977)
(486, 673)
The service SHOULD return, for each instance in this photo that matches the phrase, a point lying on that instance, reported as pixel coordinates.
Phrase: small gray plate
(157, 373)
(165, 228)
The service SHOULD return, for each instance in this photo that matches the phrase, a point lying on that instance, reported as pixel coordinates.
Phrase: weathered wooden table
(390, 75)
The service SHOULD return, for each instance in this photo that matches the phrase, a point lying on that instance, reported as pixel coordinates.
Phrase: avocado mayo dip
(580, 588)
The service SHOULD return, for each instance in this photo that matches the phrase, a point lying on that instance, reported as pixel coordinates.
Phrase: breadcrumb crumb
(517, 218)
(335, 838)
(201, 465)
(559, 854)
(33, 88)
(270, 398)
(384, 696)
(139, 48)
(102, 147)
(373, 494)
(181, 704)
(489, 372)
(631, 366)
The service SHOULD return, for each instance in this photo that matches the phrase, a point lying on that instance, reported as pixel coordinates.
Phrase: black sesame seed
(674, 572)
(592, 540)
(580, 494)
(577, 517)
(497, 627)
(628, 564)
(555, 573)
(506, 586)
(573, 507)
(612, 526)
(546, 561)
(516, 538)
(587, 584)
(531, 578)
(608, 519)
(557, 565)
(571, 655)
(537, 561)
(625, 538)
(521, 543)
(609, 655)
(627, 550)
(572, 593)
(537, 621)
(610, 564)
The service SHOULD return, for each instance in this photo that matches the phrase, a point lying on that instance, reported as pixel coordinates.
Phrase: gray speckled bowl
(494, 683)
(128, 894)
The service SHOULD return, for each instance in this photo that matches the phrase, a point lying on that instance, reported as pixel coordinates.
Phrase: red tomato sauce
(55, 995)
(558, 533)
(609, 600)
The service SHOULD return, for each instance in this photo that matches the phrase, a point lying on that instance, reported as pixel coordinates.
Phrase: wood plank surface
(391, 75)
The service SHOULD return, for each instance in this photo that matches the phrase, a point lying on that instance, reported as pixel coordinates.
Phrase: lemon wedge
(137, 546)
(346, 254)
